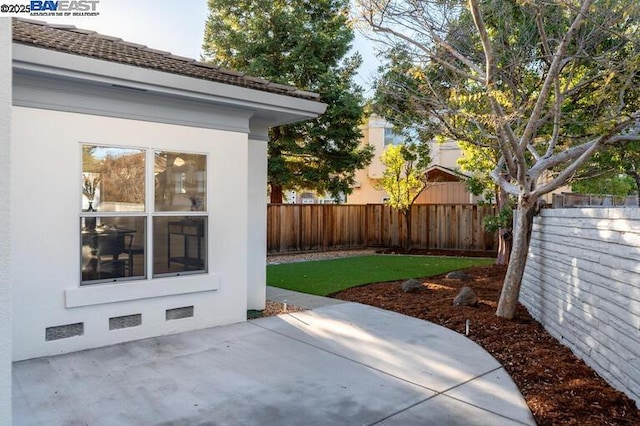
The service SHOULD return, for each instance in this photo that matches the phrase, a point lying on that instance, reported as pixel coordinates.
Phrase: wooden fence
(323, 227)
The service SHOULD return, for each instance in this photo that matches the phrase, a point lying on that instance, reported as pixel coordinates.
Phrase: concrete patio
(343, 364)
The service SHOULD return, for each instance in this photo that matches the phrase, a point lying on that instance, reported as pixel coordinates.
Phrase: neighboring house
(137, 190)
(448, 186)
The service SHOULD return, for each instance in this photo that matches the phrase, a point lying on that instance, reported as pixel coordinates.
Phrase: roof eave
(272, 109)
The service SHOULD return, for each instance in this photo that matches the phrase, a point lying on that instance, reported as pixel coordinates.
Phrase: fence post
(323, 229)
(366, 226)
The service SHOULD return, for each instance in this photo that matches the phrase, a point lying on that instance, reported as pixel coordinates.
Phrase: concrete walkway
(339, 364)
(301, 300)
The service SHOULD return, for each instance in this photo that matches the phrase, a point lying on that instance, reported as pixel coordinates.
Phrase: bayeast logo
(64, 7)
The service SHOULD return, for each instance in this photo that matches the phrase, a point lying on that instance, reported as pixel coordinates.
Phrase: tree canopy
(304, 44)
(543, 84)
(613, 171)
(405, 177)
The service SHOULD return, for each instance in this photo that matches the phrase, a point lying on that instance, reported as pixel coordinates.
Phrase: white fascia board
(274, 108)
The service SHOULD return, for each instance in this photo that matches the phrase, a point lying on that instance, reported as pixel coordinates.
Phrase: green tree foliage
(614, 171)
(545, 85)
(611, 183)
(304, 44)
(398, 97)
(405, 177)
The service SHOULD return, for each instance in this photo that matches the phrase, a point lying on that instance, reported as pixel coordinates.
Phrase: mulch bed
(559, 388)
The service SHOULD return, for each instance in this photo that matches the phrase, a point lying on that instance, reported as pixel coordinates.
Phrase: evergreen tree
(304, 44)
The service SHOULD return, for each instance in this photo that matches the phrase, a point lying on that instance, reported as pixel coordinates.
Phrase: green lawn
(323, 277)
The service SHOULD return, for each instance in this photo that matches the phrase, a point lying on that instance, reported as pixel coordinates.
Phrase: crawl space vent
(179, 313)
(126, 321)
(64, 331)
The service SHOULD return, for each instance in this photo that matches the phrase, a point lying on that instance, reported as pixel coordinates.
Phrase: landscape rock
(459, 275)
(466, 297)
(411, 286)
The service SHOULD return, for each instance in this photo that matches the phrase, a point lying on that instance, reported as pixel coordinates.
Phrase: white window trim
(148, 213)
(122, 291)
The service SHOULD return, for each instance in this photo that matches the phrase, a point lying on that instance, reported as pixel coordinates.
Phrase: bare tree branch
(552, 74)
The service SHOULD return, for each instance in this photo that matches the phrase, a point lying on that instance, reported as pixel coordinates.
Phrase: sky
(174, 26)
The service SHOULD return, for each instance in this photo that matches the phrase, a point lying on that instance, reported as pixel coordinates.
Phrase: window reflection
(113, 179)
(180, 181)
(112, 248)
(179, 244)
(392, 138)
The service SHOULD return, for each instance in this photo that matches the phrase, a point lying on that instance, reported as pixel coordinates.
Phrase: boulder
(459, 275)
(411, 286)
(466, 297)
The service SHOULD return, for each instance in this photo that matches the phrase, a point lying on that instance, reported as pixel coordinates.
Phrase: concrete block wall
(582, 282)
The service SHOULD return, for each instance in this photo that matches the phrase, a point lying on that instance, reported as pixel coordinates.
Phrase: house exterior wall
(582, 282)
(5, 223)
(373, 134)
(445, 154)
(366, 191)
(45, 238)
(257, 223)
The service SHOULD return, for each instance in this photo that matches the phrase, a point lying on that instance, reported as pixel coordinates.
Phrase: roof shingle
(69, 39)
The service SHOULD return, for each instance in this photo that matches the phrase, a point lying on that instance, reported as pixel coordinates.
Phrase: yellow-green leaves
(403, 179)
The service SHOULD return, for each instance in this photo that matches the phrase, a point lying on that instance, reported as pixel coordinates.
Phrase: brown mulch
(559, 388)
(275, 308)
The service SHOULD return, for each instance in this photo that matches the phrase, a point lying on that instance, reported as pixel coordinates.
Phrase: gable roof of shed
(69, 39)
(438, 173)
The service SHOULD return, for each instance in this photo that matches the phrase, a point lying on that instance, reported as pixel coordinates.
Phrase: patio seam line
(377, 369)
(444, 393)
(344, 357)
(500, 367)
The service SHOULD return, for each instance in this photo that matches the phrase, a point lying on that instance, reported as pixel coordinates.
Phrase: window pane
(392, 138)
(180, 181)
(179, 245)
(113, 179)
(113, 248)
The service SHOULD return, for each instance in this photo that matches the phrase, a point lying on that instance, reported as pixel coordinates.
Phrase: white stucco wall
(582, 282)
(257, 225)
(45, 238)
(5, 211)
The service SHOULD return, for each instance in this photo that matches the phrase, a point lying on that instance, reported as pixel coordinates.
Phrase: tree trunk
(276, 193)
(407, 229)
(504, 234)
(513, 278)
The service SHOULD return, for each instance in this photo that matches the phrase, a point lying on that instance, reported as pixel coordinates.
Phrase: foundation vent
(126, 321)
(64, 331)
(179, 313)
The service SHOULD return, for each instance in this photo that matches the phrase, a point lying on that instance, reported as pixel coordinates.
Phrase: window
(179, 237)
(122, 199)
(392, 138)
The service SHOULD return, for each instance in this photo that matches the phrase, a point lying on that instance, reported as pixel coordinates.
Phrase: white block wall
(582, 282)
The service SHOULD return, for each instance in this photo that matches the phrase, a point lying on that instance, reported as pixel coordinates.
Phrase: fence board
(315, 227)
